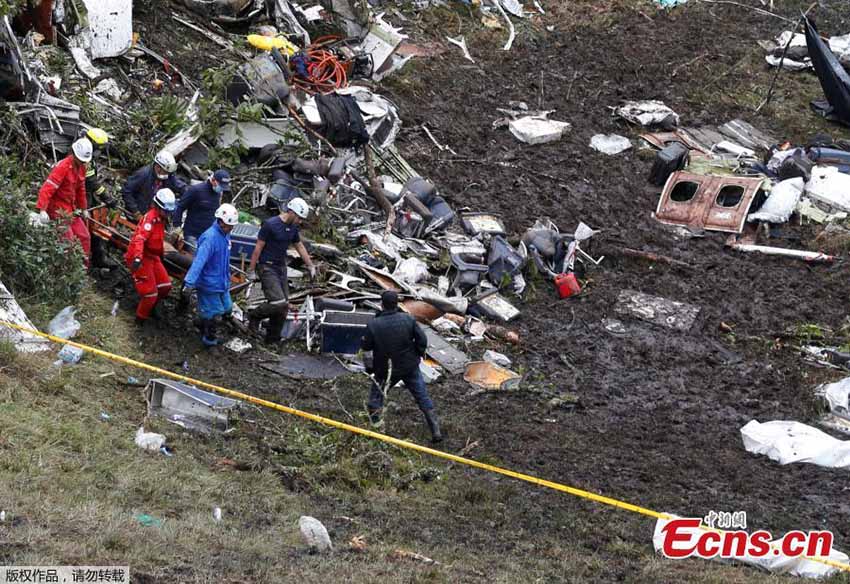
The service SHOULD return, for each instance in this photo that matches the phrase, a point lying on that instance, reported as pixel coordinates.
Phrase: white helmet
(82, 149)
(299, 206)
(228, 214)
(165, 159)
(165, 200)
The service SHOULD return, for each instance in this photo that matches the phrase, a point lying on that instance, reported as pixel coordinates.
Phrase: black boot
(433, 425)
(208, 333)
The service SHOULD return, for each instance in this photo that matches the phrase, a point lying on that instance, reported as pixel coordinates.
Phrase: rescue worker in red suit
(144, 255)
(63, 195)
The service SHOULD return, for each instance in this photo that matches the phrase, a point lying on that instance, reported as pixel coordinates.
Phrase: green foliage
(10, 6)
(166, 114)
(44, 267)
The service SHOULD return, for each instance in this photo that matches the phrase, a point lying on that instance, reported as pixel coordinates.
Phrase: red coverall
(151, 280)
(62, 193)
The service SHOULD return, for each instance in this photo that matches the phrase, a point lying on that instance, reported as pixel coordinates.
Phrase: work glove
(44, 217)
(137, 263)
(311, 269)
(85, 214)
(253, 277)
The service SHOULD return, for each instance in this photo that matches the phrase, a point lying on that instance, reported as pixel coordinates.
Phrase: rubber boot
(375, 418)
(208, 333)
(433, 425)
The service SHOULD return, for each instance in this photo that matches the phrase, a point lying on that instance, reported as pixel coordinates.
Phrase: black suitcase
(671, 158)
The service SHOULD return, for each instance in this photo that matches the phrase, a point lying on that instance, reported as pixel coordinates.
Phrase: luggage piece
(668, 160)
(342, 332)
(243, 240)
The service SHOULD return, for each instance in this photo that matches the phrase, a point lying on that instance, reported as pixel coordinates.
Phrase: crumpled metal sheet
(660, 311)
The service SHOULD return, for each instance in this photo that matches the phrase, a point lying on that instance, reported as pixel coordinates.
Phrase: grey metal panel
(451, 359)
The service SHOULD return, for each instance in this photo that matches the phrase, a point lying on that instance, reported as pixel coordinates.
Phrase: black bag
(342, 123)
(671, 158)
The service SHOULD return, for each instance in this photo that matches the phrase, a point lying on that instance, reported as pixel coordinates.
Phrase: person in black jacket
(398, 344)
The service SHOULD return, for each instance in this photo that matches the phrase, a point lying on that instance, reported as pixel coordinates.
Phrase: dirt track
(661, 411)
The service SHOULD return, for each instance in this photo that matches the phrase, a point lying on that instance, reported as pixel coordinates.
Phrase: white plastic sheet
(781, 202)
(829, 187)
(788, 442)
(411, 270)
(11, 311)
(777, 564)
(610, 144)
(537, 129)
(840, 45)
(836, 395)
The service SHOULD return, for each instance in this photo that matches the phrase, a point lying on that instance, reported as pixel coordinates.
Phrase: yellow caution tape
(376, 435)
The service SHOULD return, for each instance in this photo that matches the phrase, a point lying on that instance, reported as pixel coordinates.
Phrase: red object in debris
(567, 285)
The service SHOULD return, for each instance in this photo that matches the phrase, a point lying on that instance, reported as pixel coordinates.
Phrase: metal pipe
(808, 256)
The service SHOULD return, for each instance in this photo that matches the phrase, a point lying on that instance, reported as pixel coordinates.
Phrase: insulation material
(11, 311)
(110, 30)
(610, 144)
(788, 442)
(777, 564)
(781, 203)
(537, 129)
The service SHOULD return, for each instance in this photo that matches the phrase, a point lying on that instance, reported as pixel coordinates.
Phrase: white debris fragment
(537, 129)
(110, 88)
(781, 202)
(238, 345)
(149, 440)
(514, 7)
(497, 358)
(411, 270)
(610, 144)
(648, 113)
(84, 64)
(110, 30)
(461, 42)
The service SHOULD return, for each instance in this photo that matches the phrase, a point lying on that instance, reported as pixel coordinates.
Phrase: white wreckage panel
(10, 311)
(110, 30)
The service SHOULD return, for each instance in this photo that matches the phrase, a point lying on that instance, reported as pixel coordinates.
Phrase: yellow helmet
(97, 136)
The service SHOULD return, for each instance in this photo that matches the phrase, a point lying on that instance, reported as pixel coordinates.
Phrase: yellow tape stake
(376, 435)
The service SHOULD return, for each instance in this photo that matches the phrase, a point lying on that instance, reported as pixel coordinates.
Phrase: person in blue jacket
(210, 273)
(140, 188)
(200, 202)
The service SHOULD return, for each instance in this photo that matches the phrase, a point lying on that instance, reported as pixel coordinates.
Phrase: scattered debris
(537, 129)
(497, 358)
(70, 355)
(315, 534)
(238, 345)
(808, 256)
(491, 376)
(189, 407)
(648, 113)
(217, 514)
(64, 325)
(147, 520)
(461, 42)
(408, 555)
(660, 311)
(610, 144)
(149, 440)
(304, 366)
(11, 311)
(780, 203)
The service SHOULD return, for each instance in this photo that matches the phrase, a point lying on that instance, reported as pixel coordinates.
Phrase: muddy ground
(660, 411)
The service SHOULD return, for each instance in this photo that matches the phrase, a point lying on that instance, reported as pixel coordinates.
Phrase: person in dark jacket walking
(141, 187)
(269, 265)
(210, 272)
(398, 344)
(200, 203)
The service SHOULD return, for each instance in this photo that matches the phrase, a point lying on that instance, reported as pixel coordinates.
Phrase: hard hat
(82, 149)
(165, 159)
(299, 206)
(97, 136)
(228, 214)
(165, 199)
